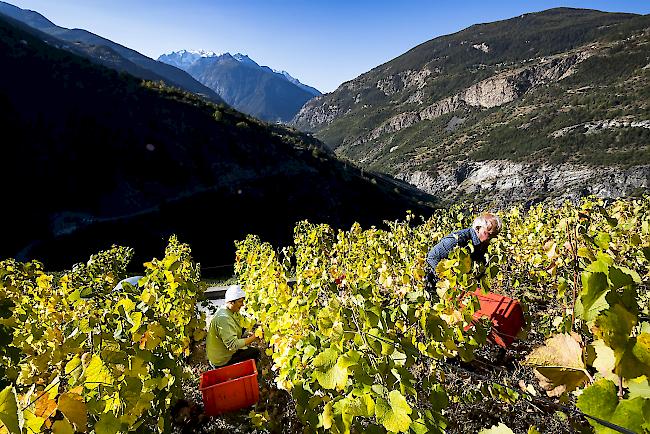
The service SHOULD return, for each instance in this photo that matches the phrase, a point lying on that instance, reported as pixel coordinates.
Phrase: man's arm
(441, 250)
(227, 330)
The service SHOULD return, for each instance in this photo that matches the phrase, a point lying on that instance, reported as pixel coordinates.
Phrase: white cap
(234, 292)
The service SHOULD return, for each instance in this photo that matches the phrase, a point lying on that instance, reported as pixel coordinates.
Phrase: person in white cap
(224, 344)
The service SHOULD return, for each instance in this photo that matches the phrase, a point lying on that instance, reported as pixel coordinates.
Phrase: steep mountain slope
(95, 157)
(108, 53)
(545, 104)
(253, 89)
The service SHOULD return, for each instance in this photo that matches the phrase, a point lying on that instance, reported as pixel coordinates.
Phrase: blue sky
(322, 43)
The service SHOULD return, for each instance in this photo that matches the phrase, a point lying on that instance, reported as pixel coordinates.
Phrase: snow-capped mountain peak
(203, 53)
(243, 58)
(184, 58)
(197, 62)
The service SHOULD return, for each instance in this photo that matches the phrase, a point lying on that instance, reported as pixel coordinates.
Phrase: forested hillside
(96, 158)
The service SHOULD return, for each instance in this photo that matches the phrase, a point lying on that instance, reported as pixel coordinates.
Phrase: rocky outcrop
(504, 182)
(396, 123)
(315, 114)
(482, 46)
(403, 80)
(491, 92)
(597, 126)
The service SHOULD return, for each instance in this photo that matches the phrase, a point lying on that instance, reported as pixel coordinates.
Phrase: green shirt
(224, 337)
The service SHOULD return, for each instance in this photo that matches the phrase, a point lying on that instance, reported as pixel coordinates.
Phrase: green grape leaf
(614, 326)
(602, 240)
(107, 424)
(630, 413)
(592, 298)
(642, 349)
(326, 359)
(32, 422)
(394, 413)
(600, 400)
(464, 262)
(96, 373)
(559, 364)
(152, 337)
(336, 377)
(138, 367)
(136, 320)
(9, 410)
(62, 426)
(351, 407)
(73, 369)
(585, 252)
(73, 407)
(327, 417)
(363, 406)
(497, 429)
(605, 360)
(356, 406)
(602, 264)
(634, 361)
(308, 352)
(419, 427)
(622, 276)
(127, 304)
(646, 253)
(639, 387)
(438, 397)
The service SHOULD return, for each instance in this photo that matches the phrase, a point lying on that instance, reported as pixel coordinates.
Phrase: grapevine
(359, 343)
(353, 333)
(83, 356)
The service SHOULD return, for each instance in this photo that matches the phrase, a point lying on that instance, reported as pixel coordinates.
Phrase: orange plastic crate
(506, 315)
(230, 388)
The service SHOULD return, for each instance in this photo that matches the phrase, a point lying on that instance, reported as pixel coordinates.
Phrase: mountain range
(548, 104)
(259, 91)
(96, 157)
(108, 53)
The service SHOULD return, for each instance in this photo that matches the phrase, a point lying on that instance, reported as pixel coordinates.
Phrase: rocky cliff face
(492, 92)
(503, 182)
(547, 104)
(315, 114)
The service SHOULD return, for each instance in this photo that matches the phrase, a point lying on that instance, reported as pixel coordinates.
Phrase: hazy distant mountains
(108, 53)
(548, 104)
(257, 90)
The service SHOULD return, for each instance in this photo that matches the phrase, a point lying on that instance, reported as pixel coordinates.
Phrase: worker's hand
(250, 339)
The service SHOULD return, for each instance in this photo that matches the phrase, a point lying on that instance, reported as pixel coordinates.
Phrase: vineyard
(78, 356)
(353, 338)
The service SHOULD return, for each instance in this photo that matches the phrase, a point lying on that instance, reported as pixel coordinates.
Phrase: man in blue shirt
(484, 228)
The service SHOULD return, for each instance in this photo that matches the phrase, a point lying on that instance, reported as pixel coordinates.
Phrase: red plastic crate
(506, 315)
(230, 388)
